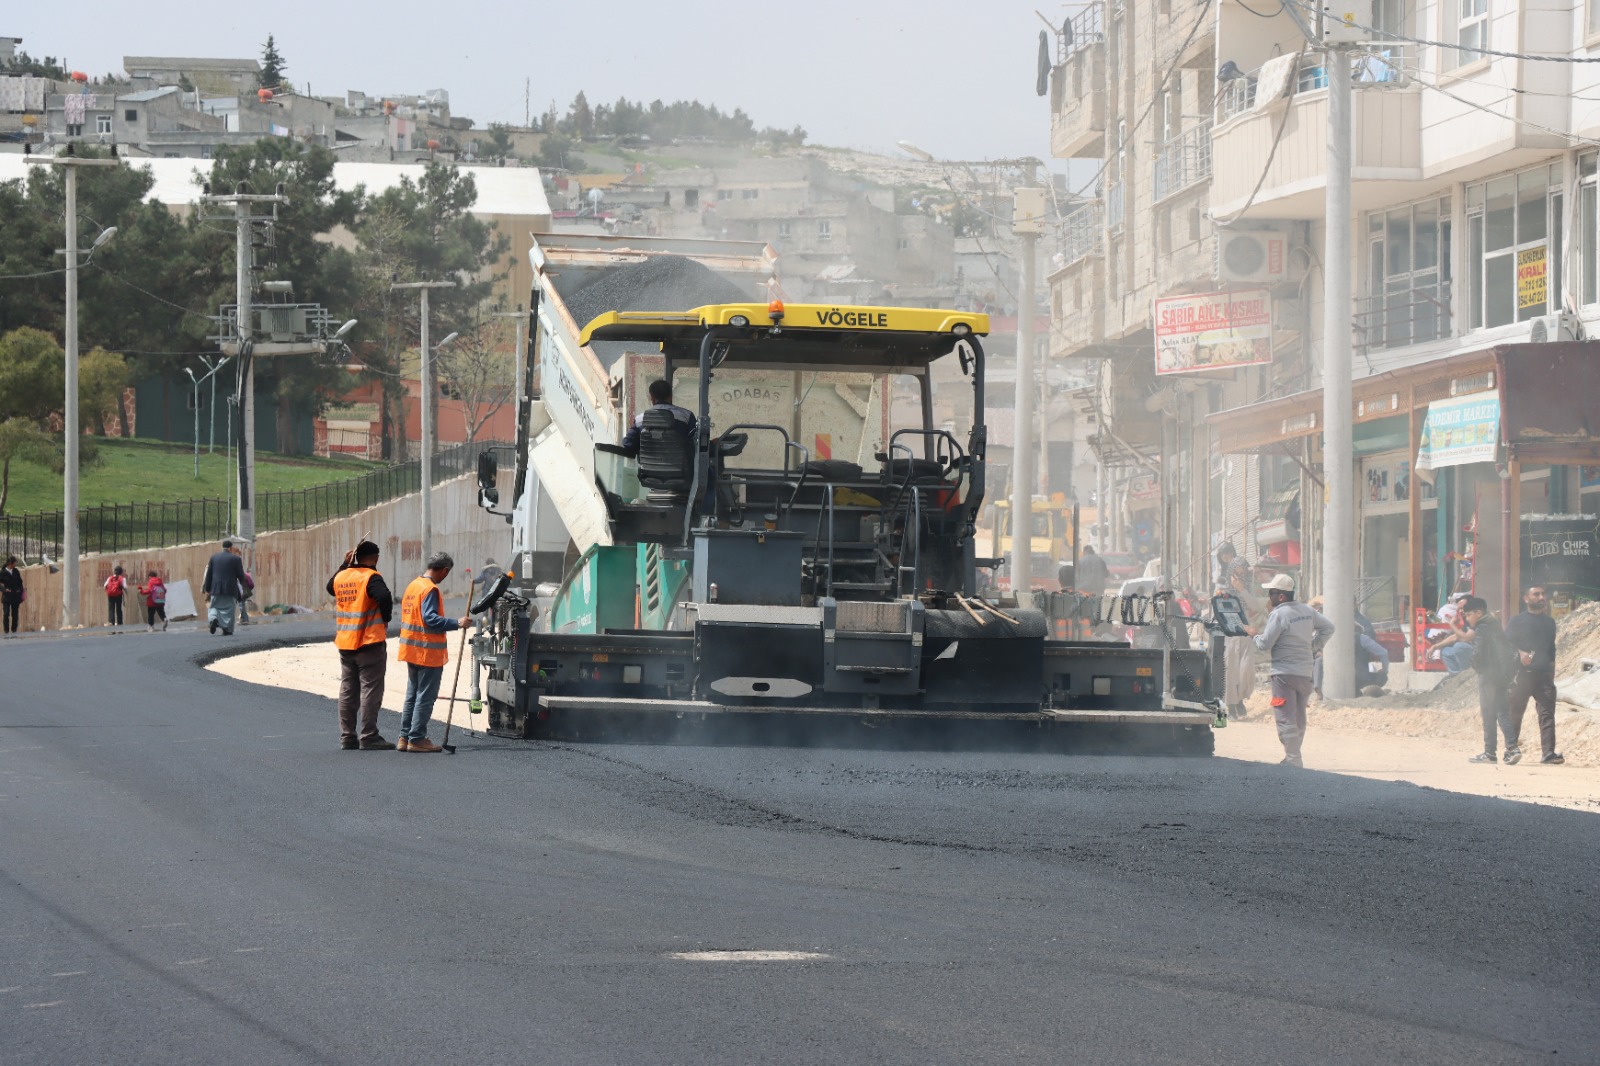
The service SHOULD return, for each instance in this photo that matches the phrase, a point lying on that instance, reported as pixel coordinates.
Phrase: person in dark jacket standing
(1533, 634)
(223, 585)
(1495, 661)
(11, 595)
(363, 606)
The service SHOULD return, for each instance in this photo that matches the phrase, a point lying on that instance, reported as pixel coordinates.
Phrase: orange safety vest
(417, 644)
(360, 622)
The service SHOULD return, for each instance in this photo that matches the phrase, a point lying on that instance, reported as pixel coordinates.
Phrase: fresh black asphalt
(191, 871)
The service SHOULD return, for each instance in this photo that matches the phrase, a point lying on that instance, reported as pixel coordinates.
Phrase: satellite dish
(1043, 86)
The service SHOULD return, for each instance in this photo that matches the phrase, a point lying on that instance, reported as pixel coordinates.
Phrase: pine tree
(272, 65)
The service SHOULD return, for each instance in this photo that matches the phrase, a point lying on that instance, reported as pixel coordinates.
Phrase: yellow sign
(1533, 277)
(601, 657)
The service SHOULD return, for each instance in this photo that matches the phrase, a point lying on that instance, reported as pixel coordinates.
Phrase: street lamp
(423, 288)
(69, 418)
(197, 382)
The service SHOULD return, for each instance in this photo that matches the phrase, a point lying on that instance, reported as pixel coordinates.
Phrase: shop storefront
(1468, 469)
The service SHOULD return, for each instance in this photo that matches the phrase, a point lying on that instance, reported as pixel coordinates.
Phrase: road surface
(193, 871)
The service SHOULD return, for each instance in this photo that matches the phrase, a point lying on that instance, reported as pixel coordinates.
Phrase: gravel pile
(660, 283)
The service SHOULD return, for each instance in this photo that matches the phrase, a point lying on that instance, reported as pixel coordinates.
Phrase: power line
(1473, 49)
(1488, 109)
(153, 296)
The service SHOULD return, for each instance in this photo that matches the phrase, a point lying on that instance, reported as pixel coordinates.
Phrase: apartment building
(1474, 270)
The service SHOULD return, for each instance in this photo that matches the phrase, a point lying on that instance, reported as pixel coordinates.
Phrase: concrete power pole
(428, 391)
(243, 341)
(69, 414)
(1027, 221)
(1338, 532)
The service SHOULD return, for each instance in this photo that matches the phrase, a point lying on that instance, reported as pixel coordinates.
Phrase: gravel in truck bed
(660, 283)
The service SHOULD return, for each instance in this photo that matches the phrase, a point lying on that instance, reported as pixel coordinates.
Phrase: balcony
(1408, 312)
(1184, 161)
(1077, 89)
(1251, 134)
(1077, 321)
(1079, 233)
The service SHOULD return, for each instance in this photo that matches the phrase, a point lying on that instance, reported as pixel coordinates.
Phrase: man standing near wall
(425, 650)
(1533, 634)
(1293, 636)
(223, 585)
(363, 605)
(1239, 662)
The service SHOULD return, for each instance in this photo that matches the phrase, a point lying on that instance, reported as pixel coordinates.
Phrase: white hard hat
(1281, 583)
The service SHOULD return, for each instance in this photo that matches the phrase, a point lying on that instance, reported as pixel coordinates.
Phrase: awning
(1547, 401)
(1257, 426)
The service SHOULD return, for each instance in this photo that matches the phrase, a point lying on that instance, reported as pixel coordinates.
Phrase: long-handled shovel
(461, 654)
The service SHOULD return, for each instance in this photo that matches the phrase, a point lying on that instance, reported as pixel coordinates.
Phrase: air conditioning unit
(1255, 255)
(1559, 327)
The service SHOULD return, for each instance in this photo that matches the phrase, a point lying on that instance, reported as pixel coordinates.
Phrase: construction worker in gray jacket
(1293, 637)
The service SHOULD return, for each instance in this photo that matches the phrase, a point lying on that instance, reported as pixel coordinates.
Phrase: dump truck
(795, 563)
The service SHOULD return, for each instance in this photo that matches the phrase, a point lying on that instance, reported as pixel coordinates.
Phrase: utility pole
(1338, 535)
(1026, 222)
(428, 391)
(69, 416)
(245, 218)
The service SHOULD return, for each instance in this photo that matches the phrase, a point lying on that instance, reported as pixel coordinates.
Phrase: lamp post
(427, 387)
(211, 374)
(69, 416)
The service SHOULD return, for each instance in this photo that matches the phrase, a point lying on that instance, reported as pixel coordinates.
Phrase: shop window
(1466, 23)
(1407, 298)
(1513, 246)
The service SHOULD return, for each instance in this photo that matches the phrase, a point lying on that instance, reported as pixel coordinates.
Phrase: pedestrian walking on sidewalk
(116, 587)
(223, 585)
(1293, 636)
(363, 606)
(154, 591)
(1533, 634)
(1495, 662)
(424, 649)
(12, 593)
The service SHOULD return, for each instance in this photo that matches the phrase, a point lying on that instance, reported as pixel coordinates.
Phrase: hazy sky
(955, 78)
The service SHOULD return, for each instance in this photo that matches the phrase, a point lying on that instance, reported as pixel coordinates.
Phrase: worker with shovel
(425, 650)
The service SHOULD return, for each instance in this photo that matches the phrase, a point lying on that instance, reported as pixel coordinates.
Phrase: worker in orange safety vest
(424, 649)
(363, 606)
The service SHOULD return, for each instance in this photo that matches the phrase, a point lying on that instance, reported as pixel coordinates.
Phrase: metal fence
(1184, 160)
(1079, 232)
(145, 526)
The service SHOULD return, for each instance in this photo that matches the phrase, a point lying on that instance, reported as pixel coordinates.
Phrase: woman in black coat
(11, 594)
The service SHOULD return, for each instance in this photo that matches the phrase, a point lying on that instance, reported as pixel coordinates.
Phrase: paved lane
(191, 869)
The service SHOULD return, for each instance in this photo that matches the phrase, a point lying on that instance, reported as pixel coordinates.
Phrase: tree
(272, 65)
(479, 370)
(500, 140)
(32, 389)
(21, 438)
(557, 152)
(422, 231)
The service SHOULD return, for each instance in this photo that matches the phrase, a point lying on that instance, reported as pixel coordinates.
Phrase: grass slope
(135, 471)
